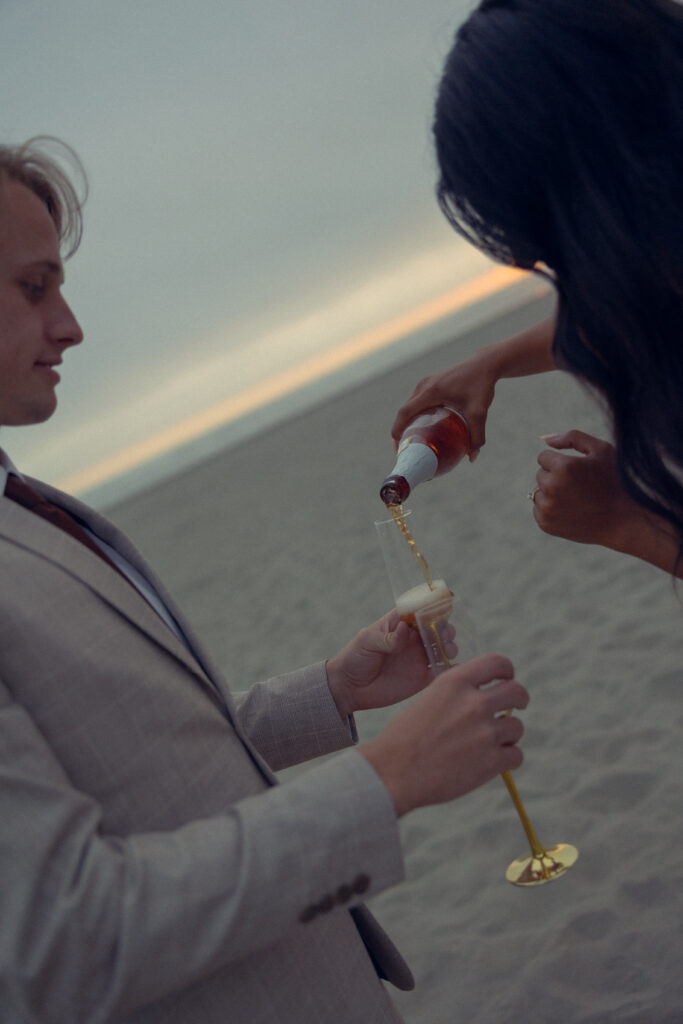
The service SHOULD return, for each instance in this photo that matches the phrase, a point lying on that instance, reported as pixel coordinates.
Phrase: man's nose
(65, 328)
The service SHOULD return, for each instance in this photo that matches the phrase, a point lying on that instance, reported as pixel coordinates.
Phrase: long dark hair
(559, 136)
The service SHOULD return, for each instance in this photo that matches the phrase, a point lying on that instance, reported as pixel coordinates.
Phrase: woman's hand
(468, 387)
(581, 498)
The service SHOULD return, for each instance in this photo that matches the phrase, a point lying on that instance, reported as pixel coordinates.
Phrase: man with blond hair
(152, 869)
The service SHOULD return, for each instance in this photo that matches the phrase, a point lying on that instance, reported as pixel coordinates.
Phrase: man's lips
(48, 366)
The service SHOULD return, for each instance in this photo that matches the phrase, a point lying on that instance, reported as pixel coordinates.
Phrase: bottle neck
(415, 462)
(394, 490)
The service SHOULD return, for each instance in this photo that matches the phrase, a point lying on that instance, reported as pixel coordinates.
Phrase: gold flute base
(545, 866)
(540, 865)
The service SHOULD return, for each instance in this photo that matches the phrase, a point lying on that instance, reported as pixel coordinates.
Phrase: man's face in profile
(36, 324)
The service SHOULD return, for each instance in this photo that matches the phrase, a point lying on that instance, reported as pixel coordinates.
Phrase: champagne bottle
(432, 444)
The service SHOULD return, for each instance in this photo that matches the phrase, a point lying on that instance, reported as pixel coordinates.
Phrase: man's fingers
(390, 621)
(511, 757)
(509, 731)
(484, 669)
(393, 638)
(507, 695)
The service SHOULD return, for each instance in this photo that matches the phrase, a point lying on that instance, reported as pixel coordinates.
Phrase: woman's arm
(469, 386)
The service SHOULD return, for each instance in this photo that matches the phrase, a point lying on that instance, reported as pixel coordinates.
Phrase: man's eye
(33, 290)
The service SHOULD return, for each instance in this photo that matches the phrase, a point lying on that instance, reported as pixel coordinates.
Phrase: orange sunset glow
(287, 381)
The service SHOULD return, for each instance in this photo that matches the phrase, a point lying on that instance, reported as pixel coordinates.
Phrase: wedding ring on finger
(532, 494)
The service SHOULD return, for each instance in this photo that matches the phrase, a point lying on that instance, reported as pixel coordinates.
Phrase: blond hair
(52, 179)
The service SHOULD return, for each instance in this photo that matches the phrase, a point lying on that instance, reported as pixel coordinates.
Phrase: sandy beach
(270, 548)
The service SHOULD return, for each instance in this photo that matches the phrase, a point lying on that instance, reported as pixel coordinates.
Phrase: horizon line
(286, 382)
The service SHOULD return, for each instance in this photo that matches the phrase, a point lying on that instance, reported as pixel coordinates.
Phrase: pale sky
(261, 189)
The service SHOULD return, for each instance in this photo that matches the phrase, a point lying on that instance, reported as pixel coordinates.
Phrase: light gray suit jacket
(151, 869)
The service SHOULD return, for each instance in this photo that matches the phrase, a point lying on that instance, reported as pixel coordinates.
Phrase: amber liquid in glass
(431, 601)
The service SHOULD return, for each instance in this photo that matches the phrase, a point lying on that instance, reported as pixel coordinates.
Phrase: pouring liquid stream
(398, 516)
(543, 864)
(400, 520)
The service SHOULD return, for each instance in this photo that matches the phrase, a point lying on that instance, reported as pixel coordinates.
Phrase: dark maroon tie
(23, 494)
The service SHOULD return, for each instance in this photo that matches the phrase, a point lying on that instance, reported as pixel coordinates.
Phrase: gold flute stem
(536, 848)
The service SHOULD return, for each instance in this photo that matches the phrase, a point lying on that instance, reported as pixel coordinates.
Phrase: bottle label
(416, 462)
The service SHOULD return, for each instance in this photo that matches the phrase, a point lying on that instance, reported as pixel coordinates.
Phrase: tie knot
(21, 492)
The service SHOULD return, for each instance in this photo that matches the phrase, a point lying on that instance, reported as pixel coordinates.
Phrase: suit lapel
(31, 531)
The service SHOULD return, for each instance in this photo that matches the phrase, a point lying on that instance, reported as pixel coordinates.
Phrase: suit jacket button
(344, 893)
(361, 884)
(326, 904)
(308, 914)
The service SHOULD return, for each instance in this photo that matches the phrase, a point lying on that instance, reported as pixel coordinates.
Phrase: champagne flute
(429, 606)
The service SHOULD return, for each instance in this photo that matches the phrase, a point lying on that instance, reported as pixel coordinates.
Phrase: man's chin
(31, 414)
